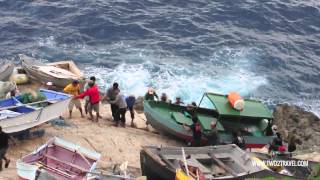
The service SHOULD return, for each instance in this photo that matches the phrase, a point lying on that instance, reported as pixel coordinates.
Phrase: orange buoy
(236, 101)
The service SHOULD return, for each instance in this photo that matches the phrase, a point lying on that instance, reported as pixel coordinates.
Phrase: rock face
(303, 124)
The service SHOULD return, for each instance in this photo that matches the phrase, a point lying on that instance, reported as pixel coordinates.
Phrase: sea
(266, 50)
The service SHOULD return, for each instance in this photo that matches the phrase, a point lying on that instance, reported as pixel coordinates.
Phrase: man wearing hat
(151, 94)
(74, 90)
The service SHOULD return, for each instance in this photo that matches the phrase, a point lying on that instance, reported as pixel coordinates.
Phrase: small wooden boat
(214, 162)
(6, 69)
(58, 160)
(59, 73)
(252, 122)
(16, 116)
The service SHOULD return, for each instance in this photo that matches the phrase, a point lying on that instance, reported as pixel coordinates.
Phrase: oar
(12, 107)
(185, 161)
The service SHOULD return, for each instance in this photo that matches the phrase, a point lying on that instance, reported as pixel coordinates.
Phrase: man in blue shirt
(130, 103)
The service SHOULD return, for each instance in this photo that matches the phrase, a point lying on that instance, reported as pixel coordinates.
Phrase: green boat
(252, 124)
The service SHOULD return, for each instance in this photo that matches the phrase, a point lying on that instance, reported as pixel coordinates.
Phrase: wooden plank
(195, 156)
(55, 170)
(222, 165)
(64, 162)
(154, 157)
(167, 161)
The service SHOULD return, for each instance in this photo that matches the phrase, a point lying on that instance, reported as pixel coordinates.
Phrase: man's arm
(67, 89)
(82, 95)
(116, 100)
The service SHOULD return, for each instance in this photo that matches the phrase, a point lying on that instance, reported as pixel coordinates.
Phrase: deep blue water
(269, 50)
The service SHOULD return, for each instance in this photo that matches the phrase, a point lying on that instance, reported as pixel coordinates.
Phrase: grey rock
(290, 118)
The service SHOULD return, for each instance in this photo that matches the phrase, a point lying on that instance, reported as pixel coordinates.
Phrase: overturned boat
(251, 124)
(212, 162)
(59, 73)
(6, 69)
(58, 160)
(17, 115)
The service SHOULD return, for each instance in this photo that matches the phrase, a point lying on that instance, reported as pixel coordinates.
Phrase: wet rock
(305, 124)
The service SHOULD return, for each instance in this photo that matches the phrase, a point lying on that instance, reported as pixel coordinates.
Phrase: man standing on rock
(4, 145)
(110, 96)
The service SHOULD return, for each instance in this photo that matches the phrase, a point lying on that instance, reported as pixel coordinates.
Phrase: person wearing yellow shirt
(74, 90)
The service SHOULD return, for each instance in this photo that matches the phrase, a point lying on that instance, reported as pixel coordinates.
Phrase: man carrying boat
(120, 115)
(74, 89)
(130, 100)
(86, 99)
(94, 97)
(151, 95)
(110, 95)
(4, 145)
(196, 132)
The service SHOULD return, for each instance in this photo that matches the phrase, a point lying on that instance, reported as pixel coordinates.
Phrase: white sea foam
(224, 73)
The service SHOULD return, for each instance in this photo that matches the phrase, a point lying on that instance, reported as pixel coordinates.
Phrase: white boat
(16, 116)
(58, 160)
(59, 73)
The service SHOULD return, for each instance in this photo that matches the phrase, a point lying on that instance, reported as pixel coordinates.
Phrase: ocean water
(269, 50)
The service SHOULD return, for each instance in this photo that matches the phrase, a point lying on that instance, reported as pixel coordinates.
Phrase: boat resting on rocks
(6, 69)
(251, 124)
(59, 73)
(214, 162)
(15, 116)
(58, 160)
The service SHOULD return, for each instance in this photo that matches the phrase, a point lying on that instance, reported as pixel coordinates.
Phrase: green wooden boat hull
(168, 118)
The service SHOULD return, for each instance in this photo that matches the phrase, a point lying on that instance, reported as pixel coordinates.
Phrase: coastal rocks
(303, 124)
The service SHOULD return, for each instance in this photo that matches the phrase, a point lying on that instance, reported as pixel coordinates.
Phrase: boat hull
(169, 127)
(58, 159)
(31, 67)
(155, 169)
(37, 116)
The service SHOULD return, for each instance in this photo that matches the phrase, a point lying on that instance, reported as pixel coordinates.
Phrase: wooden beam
(222, 165)
(66, 163)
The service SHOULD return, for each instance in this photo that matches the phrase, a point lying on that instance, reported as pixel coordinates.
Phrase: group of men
(91, 94)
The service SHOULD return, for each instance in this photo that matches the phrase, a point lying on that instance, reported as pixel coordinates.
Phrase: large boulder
(295, 120)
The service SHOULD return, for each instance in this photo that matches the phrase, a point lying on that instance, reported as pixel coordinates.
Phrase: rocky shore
(304, 125)
(117, 144)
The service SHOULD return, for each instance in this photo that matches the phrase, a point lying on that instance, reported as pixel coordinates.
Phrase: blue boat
(15, 116)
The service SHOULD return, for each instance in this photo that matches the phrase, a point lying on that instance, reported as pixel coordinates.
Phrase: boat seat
(180, 118)
(205, 123)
